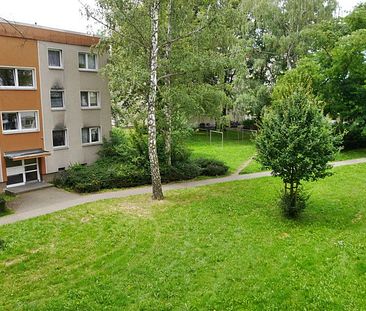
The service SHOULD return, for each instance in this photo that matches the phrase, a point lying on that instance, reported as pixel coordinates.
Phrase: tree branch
(92, 16)
(12, 25)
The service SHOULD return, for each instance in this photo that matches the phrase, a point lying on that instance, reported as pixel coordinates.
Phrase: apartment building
(54, 103)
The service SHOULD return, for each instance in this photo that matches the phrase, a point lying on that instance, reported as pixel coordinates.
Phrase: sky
(66, 14)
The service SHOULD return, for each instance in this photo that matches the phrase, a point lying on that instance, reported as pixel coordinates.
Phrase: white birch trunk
(153, 154)
(167, 105)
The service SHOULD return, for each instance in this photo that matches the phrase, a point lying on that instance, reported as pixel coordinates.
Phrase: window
(57, 99)
(19, 121)
(16, 78)
(89, 99)
(90, 135)
(87, 61)
(59, 138)
(54, 58)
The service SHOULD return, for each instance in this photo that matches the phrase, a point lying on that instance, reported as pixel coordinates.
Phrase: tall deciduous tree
(272, 43)
(162, 68)
(336, 71)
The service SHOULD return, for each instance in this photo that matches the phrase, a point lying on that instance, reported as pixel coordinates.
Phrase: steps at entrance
(28, 188)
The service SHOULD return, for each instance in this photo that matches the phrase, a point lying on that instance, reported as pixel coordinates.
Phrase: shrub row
(107, 174)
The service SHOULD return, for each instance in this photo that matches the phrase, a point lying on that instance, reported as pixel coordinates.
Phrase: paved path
(66, 200)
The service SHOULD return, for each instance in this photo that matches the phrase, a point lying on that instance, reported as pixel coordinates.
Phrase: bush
(250, 124)
(210, 167)
(2, 203)
(124, 162)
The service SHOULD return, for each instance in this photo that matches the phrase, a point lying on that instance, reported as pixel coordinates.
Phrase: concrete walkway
(53, 199)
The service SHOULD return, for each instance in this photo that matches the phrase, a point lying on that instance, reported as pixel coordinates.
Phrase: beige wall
(73, 118)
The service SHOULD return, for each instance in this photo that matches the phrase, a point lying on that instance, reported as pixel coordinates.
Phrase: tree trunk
(167, 105)
(153, 154)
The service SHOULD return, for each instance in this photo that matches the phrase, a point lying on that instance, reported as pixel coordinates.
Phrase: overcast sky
(66, 14)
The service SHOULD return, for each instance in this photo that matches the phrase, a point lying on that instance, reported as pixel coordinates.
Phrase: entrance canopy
(26, 154)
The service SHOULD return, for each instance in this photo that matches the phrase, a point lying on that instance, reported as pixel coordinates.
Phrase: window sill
(20, 132)
(60, 148)
(18, 88)
(55, 68)
(58, 109)
(88, 70)
(92, 144)
(91, 108)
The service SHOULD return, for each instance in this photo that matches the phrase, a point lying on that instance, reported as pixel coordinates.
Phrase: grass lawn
(234, 152)
(255, 167)
(221, 247)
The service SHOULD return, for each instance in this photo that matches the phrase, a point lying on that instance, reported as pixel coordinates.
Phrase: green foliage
(296, 142)
(335, 72)
(211, 167)
(272, 40)
(2, 203)
(124, 162)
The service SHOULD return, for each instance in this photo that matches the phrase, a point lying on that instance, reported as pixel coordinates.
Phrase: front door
(22, 171)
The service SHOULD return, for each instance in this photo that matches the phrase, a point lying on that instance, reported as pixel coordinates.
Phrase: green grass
(255, 167)
(234, 152)
(221, 247)
(351, 154)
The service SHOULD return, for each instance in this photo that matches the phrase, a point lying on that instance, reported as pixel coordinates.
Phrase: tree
(296, 142)
(151, 115)
(272, 42)
(335, 72)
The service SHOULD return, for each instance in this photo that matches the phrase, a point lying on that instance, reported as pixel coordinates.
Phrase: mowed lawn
(235, 151)
(255, 166)
(220, 247)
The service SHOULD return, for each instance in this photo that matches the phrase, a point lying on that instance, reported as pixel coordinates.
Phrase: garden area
(124, 160)
(220, 247)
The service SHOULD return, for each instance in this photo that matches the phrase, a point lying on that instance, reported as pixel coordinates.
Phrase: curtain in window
(57, 99)
(54, 58)
(94, 133)
(93, 99)
(84, 99)
(28, 120)
(85, 135)
(92, 61)
(82, 60)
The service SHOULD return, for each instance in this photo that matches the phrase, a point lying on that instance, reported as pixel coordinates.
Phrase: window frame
(16, 79)
(66, 146)
(20, 130)
(90, 129)
(87, 62)
(98, 106)
(61, 67)
(63, 100)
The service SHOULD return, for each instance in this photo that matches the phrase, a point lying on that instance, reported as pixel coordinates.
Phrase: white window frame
(66, 146)
(20, 130)
(91, 143)
(24, 173)
(16, 80)
(63, 99)
(61, 67)
(91, 107)
(87, 62)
